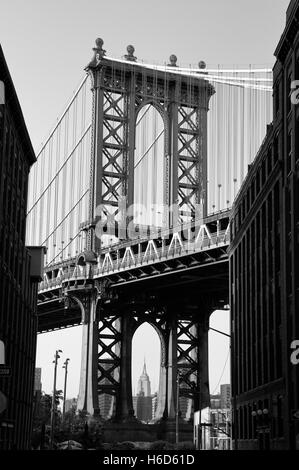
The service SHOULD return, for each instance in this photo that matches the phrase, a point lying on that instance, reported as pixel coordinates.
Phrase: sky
(47, 44)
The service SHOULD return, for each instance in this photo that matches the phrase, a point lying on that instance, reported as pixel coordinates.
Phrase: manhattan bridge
(131, 195)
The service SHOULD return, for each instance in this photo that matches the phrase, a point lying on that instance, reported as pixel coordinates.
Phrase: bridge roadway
(172, 263)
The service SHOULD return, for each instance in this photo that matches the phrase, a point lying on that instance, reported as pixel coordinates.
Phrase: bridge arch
(157, 340)
(151, 164)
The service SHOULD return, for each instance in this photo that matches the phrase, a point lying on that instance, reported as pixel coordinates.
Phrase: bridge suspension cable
(239, 112)
(75, 95)
(59, 181)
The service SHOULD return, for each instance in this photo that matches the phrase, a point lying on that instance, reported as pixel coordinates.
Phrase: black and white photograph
(149, 230)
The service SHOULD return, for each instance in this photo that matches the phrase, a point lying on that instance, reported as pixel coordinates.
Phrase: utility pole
(65, 366)
(200, 426)
(177, 408)
(53, 408)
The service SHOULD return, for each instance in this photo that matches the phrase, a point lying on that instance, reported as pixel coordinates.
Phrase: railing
(164, 253)
(177, 248)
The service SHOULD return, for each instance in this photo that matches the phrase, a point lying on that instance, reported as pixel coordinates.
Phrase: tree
(42, 417)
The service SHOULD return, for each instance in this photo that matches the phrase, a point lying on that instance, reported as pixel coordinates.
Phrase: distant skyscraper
(144, 408)
(37, 379)
(225, 395)
(144, 384)
(142, 403)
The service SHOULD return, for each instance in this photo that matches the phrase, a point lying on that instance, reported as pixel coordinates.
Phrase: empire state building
(142, 403)
(144, 384)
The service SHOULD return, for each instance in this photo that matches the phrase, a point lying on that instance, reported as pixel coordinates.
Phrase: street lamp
(65, 366)
(56, 357)
(262, 427)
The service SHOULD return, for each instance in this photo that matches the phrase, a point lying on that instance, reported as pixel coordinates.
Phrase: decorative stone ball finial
(130, 53)
(130, 50)
(202, 65)
(98, 50)
(99, 43)
(173, 60)
(99, 53)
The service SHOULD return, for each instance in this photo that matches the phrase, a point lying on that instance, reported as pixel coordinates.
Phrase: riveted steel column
(88, 393)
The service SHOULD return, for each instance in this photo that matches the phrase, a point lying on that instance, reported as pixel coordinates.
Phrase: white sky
(48, 43)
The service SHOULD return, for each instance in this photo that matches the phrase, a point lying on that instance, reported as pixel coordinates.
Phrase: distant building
(185, 402)
(215, 429)
(144, 408)
(105, 399)
(20, 270)
(143, 402)
(70, 404)
(37, 379)
(215, 401)
(225, 396)
(144, 384)
(184, 406)
(154, 405)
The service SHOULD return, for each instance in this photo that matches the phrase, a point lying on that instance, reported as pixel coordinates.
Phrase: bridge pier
(172, 370)
(203, 365)
(88, 393)
(124, 403)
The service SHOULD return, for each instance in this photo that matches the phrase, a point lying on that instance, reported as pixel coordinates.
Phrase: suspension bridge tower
(124, 92)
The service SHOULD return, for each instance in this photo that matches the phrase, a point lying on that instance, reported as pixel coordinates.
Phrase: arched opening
(146, 372)
(219, 350)
(219, 413)
(149, 168)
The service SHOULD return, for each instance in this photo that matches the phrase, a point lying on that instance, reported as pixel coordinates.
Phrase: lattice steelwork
(188, 358)
(109, 343)
(190, 170)
(123, 95)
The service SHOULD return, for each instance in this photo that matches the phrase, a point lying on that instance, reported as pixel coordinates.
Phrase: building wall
(18, 294)
(154, 405)
(264, 277)
(225, 396)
